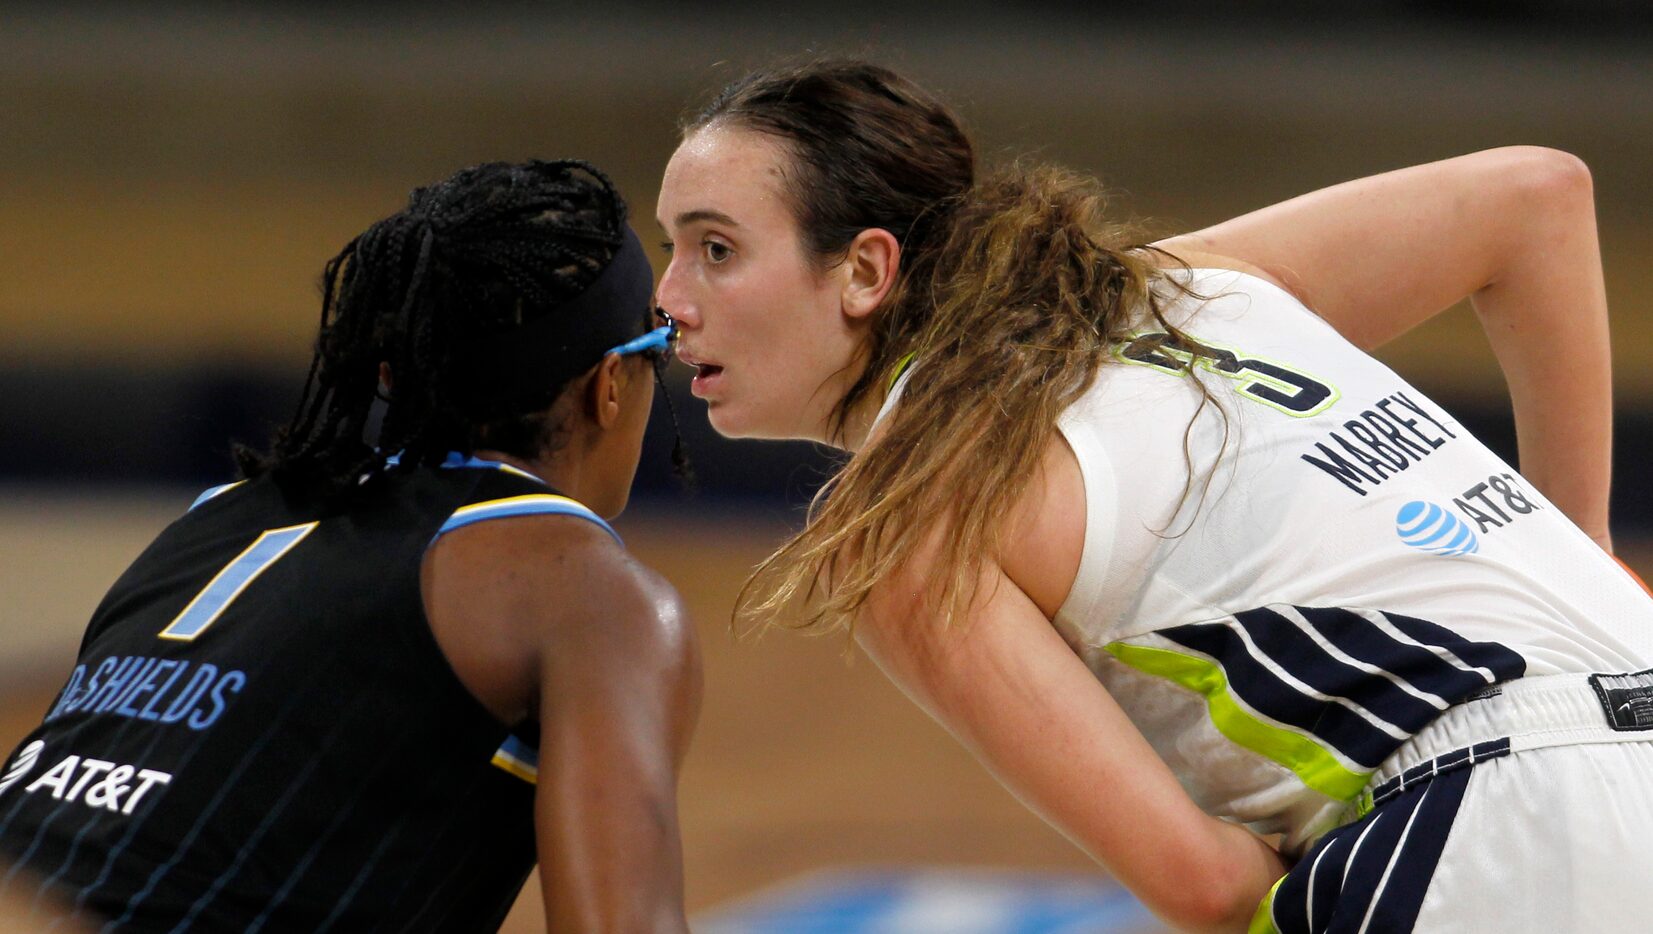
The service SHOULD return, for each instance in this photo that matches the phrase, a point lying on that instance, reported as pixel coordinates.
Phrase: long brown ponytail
(1013, 289)
(1007, 323)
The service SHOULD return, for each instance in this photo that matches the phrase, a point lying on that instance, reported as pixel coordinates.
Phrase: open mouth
(707, 376)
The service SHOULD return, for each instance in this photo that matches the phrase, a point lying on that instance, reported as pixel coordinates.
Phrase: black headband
(524, 368)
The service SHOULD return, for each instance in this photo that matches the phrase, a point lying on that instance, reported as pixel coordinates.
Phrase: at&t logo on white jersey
(1428, 527)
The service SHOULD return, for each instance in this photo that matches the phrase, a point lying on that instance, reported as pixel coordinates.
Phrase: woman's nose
(674, 299)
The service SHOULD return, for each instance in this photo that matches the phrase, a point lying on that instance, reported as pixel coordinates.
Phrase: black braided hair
(482, 252)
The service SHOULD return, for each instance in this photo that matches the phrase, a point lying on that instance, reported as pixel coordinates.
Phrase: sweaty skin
(548, 617)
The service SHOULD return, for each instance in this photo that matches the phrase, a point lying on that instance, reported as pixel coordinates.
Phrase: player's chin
(727, 420)
(731, 421)
(737, 418)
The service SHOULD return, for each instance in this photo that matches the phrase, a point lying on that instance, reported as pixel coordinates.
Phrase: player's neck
(559, 472)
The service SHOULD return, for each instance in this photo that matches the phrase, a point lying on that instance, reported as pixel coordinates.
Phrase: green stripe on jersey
(1309, 760)
(900, 369)
(1262, 922)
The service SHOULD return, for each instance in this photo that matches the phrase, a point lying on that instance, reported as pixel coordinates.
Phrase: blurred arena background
(172, 178)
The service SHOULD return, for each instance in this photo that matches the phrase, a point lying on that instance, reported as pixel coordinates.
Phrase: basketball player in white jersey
(1209, 588)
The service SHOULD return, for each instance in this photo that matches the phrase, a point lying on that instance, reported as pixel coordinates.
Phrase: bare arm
(1006, 686)
(619, 694)
(547, 617)
(1514, 231)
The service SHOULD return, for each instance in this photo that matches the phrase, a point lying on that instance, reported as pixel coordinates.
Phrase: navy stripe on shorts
(1371, 875)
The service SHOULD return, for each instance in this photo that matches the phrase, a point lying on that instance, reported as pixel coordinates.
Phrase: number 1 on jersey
(228, 583)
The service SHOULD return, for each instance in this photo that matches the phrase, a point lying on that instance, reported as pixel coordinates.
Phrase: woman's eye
(717, 252)
(667, 245)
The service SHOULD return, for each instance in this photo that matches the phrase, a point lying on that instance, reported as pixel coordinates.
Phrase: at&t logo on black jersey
(25, 761)
(98, 783)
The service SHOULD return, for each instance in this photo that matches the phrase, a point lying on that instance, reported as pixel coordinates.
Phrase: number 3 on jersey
(1275, 385)
(228, 583)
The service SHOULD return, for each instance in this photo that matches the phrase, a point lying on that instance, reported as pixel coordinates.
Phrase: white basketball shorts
(1527, 808)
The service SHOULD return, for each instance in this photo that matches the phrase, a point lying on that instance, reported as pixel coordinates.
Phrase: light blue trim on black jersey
(533, 504)
(456, 459)
(519, 759)
(209, 494)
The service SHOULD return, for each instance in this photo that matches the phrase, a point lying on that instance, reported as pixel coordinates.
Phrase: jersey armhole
(1101, 514)
(1273, 287)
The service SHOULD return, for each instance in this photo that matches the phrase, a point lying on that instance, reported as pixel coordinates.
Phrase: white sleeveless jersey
(1344, 562)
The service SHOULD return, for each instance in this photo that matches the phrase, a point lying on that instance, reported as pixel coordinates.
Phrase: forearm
(610, 854)
(619, 696)
(1007, 687)
(1195, 872)
(1545, 315)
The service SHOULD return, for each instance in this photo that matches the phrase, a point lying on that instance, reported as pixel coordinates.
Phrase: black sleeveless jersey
(261, 732)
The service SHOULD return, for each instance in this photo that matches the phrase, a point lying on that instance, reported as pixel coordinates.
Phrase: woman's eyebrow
(705, 214)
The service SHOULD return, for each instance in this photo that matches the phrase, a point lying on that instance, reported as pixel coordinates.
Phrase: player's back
(1297, 563)
(261, 732)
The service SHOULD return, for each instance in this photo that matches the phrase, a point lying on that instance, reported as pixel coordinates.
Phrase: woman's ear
(602, 392)
(870, 266)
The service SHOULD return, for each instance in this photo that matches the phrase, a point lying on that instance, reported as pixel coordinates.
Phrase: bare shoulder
(632, 602)
(507, 596)
(1040, 541)
(1045, 535)
(525, 558)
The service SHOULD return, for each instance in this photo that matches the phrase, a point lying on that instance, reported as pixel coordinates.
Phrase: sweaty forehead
(721, 170)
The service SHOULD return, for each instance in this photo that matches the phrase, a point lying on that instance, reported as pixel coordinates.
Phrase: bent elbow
(1529, 199)
(1546, 175)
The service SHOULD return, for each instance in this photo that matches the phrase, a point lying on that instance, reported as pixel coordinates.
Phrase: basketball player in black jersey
(364, 687)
